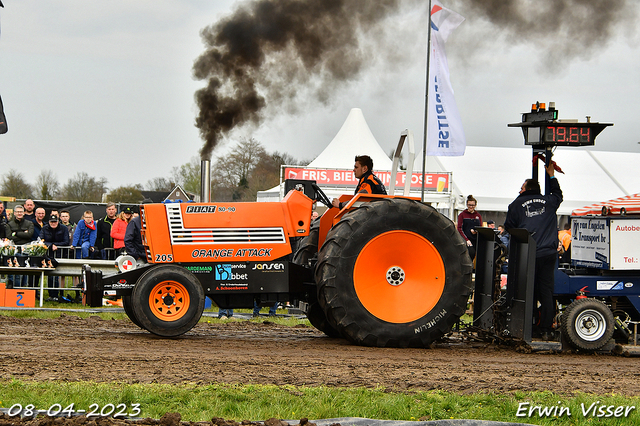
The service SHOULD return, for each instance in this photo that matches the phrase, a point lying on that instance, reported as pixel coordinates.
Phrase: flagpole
(426, 108)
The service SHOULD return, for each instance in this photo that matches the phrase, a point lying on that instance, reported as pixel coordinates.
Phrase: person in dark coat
(3, 213)
(54, 234)
(468, 221)
(537, 214)
(133, 240)
(3, 221)
(19, 230)
(29, 209)
(104, 240)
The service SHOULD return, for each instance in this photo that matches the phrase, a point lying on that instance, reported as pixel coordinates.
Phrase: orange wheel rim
(399, 276)
(169, 300)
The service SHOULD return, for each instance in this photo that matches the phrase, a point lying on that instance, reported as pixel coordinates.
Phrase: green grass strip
(260, 402)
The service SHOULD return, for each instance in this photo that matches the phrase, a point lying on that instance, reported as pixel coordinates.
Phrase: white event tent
(493, 175)
(353, 138)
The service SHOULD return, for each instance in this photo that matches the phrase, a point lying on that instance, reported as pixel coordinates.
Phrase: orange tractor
(387, 271)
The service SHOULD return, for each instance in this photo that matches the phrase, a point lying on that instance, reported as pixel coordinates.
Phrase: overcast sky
(107, 88)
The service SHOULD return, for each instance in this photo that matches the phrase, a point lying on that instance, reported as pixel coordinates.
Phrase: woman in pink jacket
(119, 228)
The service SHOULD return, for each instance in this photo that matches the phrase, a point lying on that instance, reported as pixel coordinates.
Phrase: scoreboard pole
(547, 161)
(535, 172)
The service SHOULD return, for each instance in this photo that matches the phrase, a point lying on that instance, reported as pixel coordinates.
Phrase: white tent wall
(494, 175)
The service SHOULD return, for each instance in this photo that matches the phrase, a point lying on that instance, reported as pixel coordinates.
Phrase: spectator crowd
(104, 238)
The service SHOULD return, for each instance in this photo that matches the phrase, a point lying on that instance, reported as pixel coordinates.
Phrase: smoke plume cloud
(562, 29)
(272, 56)
(268, 51)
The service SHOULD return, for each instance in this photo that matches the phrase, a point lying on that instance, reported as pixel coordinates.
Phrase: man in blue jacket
(537, 214)
(85, 236)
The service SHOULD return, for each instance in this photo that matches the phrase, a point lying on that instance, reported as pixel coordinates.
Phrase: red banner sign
(438, 182)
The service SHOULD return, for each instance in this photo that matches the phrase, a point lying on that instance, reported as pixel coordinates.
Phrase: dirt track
(70, 348)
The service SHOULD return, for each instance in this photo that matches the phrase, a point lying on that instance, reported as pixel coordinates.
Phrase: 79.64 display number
(571, 135)
(95, 410)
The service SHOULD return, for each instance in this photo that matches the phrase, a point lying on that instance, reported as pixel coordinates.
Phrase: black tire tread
(568, 319)
(318, 319)
(307, 249)
(458, 269)
(127, 304)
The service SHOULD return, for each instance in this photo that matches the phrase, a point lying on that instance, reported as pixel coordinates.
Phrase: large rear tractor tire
(318, 319)
(305, 256)
(393, 273)
(587, 324)
(168, 300)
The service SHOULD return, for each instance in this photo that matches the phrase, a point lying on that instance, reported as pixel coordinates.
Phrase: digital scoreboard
(543, 131)
(562, 134)
(542, 128)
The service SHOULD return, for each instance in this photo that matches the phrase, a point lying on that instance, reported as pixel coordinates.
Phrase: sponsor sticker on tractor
(609, 285)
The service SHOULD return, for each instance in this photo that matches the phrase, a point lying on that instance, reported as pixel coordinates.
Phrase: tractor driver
(368, 182)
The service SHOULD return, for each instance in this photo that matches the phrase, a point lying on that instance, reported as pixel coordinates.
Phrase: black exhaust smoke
(563, 29)
(269, 50)
(269, 55)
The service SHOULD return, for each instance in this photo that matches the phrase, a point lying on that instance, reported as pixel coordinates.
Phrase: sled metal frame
(484, 283)
(518, 304)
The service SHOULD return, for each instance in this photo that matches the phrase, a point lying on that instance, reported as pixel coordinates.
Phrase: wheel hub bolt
(395, 275)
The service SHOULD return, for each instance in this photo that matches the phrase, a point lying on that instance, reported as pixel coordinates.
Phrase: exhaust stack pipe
(205, 181)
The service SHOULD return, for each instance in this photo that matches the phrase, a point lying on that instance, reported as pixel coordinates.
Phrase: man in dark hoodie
(54, 234)
(103, 232)
(133, 240)
(537, 214)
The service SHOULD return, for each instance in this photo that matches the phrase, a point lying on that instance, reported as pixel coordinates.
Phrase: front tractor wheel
(393, 273)
(168, 301)
(127, 304)
(587, 324)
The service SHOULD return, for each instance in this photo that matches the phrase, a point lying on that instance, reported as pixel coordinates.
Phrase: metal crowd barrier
(67, 266)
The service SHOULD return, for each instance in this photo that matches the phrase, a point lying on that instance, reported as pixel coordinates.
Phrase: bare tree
(188, 175)
(126, 194)
(83, 187)
(231, 172)
(14, 185)
(160, 184)
(266, 173)
(47, 186)
(247, 169)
